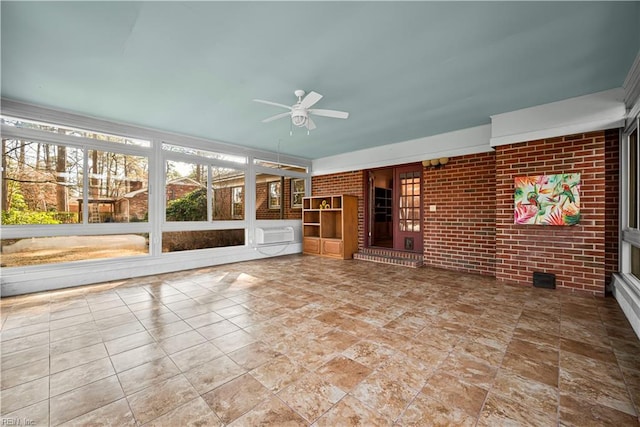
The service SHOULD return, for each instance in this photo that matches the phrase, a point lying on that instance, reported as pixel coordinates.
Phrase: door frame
(368, 205)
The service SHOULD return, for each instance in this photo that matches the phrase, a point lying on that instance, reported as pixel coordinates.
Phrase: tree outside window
(237, 208)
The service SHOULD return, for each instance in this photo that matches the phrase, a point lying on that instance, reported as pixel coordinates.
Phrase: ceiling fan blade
(262, 101)
(310, 124)
(311, 98)
(276, 117)
(330, 113)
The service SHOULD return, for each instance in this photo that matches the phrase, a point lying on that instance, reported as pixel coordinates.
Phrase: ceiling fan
(301, 110)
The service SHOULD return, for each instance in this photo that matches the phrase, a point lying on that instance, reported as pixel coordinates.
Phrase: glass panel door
(408, 208)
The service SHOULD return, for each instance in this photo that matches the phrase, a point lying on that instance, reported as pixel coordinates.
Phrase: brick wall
(343, 183)
(612, 199)
(472, 229)
(460, 234)
(576, 254)
(262, 202)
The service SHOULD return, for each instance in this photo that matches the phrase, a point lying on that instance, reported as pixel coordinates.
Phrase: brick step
(384, 252)
(390, 258)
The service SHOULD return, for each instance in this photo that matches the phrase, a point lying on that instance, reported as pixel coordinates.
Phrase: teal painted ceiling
(403, 70)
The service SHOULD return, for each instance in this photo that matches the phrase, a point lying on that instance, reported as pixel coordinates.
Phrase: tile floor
(300, 340)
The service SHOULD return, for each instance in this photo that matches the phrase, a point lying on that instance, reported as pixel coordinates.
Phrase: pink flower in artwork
(542, 180)
(524, 213)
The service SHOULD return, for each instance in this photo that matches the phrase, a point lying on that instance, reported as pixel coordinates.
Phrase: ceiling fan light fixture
(299, 118)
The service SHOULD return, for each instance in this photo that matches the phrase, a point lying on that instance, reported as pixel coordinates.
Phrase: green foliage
(16, 217)
(19, 215)
(191, 207)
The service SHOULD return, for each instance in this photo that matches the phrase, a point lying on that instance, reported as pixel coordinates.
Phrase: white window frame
(18, 280)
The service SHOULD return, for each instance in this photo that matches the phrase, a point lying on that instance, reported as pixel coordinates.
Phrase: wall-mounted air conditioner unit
(274, 235)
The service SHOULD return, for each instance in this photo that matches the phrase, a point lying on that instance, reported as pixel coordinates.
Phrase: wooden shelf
(330, 226)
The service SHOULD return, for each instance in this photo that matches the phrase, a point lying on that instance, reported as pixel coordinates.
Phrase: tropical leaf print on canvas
(547, 199)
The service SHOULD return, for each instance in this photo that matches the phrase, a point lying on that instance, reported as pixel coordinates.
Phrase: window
(71, 131)
(281, 166)
(57, 249)
(633, 180)
(176, 241)
(635, 261)
(237, 205)
(297, 193)
(631, 227)
(186, 191)
(227, 185)
(118, 188)
(203, 153)
(41, 183)
(269, 197)
(409, 211)
(274, 195)
(74, 194)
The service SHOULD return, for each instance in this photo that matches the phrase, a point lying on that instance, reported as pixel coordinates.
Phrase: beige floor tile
(204, 319)
(24, 357)
(26, 394)
(193, 356)
(113, 414)
(343, 373)
(193, 413)
(23, 374)
(35, 415)
(528, 367)
(532, 394)
(253, 355)
(122, 331)
(578, 412)
(311, 396)
(72, 331)
(233, 341)
(75, 343)
(24, 331)
(409, 346)
(150, 403)
(499, 410)
(82, 400)
(350, 410)
(278, 373)
(272, 412)
(455, 393)
(79, 376)
(469, 369)
(387, 396)
(217, 329)
(181, 341)
(137, 356)
(24, 343)
(128, 342)
(235, 398)
(78, 357)
(147, 374)
(214, 373)
(158, 319)
(426, 411)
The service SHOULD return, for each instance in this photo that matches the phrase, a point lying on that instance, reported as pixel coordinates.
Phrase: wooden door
(407, 207)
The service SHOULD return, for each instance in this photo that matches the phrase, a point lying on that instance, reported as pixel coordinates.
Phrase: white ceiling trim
(631, 87)
(597, 111)
(457, 143)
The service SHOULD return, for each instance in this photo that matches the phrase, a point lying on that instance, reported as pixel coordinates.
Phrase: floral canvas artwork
(547, 199)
